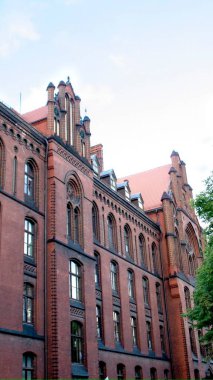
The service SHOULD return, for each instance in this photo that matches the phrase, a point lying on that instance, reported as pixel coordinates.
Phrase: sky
(143, 70)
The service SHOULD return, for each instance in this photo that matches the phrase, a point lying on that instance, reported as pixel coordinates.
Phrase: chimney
(98, 150)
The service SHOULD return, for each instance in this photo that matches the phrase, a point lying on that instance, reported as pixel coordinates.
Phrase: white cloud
(14, 30)
(118, 60)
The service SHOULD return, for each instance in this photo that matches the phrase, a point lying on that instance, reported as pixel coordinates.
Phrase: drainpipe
(45, 261)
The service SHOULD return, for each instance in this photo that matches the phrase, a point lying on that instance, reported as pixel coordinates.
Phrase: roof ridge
(145, 171)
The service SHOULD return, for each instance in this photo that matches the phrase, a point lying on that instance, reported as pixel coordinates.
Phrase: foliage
(202, 312)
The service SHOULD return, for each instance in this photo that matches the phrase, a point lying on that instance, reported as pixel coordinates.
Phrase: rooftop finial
(68, 79)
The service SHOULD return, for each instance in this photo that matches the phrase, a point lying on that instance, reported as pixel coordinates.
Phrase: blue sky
(143, 69)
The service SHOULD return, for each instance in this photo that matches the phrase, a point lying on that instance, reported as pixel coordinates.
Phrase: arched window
(142, 250)
(121, 372)
(29, 182)
(127, 240)
(192, 341)
(114, 276)
(95, 222)
(153, 374)
(74, 213)
(66, 117)
(75, 276)
(112, 237)
(138, 373)
(146, 291)
(28, 303)
(197, 373)
(102, 371)
(192, 249)
(29, 238)
(158, 297)
(97, 269)
(187, 298)
(77, 342)
(166, 374)
(71, 123)
(131, 285)
(149, 334)
(155, 258)
(117, 326)
(133, 324)
(28, 366)
(2, 164)
(99, 322)
(14, 184)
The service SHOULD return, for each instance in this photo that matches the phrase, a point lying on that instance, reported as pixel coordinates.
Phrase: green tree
(202, 312)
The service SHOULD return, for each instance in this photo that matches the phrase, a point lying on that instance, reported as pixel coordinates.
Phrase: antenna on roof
(20, 102)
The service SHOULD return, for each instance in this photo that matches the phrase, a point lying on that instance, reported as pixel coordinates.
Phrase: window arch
(153, 373)
(142, 250)
(121, 372)
(75, 280)
(112, 235)
(155, 258)
(28, 366)
(74, 213)
(77, 342)
(31, 181)
(187, 298)
(192, 249)
(29, 238)
(114, 276)
(138, 373)
(28, 303)
(131, 283)
(2, 164)
(146, 291)
(127, 240)
(95, 222)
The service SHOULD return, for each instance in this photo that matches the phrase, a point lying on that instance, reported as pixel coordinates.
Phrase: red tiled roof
(151, 184)
(35, 115)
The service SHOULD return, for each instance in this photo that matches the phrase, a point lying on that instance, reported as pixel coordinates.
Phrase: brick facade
(91, 285)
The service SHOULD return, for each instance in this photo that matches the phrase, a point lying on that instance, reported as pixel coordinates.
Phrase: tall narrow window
(95, 223)
(154, 258)
(102, 371)
(14, 175)
(29, 181)
(192, 341)
(131, 284)
(127, 241)
(149, 334)
(121, 372)
(162, 339)
(166, 374)
(75, 281)
(28, 302)
(97, 269)
(76, 224)
(114, 276)
(117, 327)
(187, 298)
(158, 296)
(142, 250)
(138, 373)
(2, 163)
(66, 118)
(69, 221)
(134, 330)
(112, 238)
(77, 342)
(28, 367)
(98, 322)
(29, 238)
(71, 122)
(146, 291)
(153, 374)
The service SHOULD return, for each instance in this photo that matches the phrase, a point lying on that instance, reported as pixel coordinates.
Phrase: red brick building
(95, 272)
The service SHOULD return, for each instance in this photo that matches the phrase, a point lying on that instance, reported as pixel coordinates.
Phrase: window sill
(29, 260)
(77, 304)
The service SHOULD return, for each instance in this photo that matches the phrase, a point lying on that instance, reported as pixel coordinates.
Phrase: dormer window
(112, 182)
(95, 164)
(127, 194)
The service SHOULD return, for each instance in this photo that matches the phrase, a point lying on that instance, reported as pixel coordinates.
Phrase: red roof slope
(36, 115)
(151, 184)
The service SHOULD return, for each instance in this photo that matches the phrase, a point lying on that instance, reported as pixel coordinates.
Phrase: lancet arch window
(31, 182)
(178, 251)
(142, 250)
(112, 236)
(192, 249)
(155, 258)
(95, 222)
(127, 241)
(74, 222)
(2, 164)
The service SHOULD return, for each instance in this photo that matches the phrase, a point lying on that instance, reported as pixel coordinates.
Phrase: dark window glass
(162, 340)
(158, 296)
(29, 238)
(134, 330)
(116, 322)
(29, 181)
(110, 232)
(146, 290)
(75, 281)
(153, 374)
(114, 276)
(76, 342)
(120, 372)
(154, 258)
(28, 368)
(98, 322)
(127, 241)
(149, 335)
(14, 175)
(95, 223)
(192, 341)
(166, 374)
(69, 221)
(102, 370)
(187, 298)
(97, 269)
(138, 373)
(142, 250)
(28, 303)
(76, 224)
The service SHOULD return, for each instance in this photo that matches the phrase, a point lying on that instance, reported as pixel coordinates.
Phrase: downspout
(166, 308)
(45, 262)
